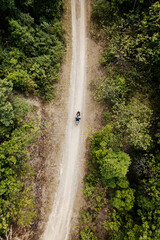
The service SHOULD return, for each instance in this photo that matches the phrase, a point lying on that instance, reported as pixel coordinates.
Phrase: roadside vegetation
(122, 184)
(31, 47)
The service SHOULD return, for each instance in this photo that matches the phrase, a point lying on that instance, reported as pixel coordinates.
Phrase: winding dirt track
(58, 226)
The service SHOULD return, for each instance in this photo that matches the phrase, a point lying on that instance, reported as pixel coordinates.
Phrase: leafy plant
(113, 89)
(134, 121)
(16, 202)
(123, 199)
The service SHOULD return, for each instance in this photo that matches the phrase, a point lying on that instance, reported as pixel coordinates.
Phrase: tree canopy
(123, 170)
(31, 48)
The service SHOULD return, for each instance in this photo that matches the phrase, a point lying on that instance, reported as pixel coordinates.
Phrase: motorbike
(77, 118)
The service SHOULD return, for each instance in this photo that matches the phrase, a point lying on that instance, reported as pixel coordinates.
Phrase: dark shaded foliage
(31, 48)
(131, 92)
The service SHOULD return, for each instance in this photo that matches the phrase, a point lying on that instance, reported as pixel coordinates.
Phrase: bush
(112, 89)
(134, 121)
(123, 199)
(16, 202)
(20, 107)
(114, 167)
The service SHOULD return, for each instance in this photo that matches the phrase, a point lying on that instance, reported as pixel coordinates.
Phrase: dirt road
(58, 226)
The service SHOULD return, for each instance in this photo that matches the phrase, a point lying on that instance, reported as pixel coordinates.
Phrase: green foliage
(132, 118)
(134, 121)
(123, 199)
(113, 167)
(113, 225)
(31, 56)
(146, 46)
(87, 234)
(20, 107)
(21, 79)
(16, 202)
(6, 109)
(96, 196)
(31, 48)
(106, 116)
(102, 11)
(113, 89)
(125, 154)
(89, 190)
(113, 163)
(134, 41)
(157, 135)
(103, 140)
(117, 230)
(11, 108)
(108, 168)
(150, 225)
(125, 224)
(21, 35)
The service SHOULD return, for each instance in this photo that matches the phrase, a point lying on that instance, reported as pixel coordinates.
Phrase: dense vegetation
(122, 186)
(31, 47)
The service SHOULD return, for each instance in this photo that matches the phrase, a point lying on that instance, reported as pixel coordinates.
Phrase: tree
(123, 199)
(114, 167)
(112, 89)
(133, 120)
(113, 163)
(121, 225)
(16, 201)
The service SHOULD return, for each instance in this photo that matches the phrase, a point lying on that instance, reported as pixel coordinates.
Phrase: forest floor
(47, 155)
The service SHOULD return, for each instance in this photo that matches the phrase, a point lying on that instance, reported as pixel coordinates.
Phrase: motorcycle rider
(77, 118)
